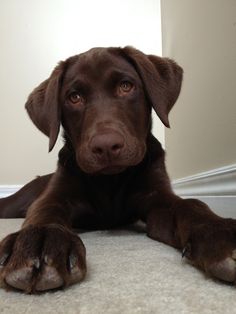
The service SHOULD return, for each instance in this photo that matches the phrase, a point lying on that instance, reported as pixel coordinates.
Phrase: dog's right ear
(43, 105)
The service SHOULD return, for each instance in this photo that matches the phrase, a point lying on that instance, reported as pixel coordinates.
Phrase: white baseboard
(6, 190)
(216, 187)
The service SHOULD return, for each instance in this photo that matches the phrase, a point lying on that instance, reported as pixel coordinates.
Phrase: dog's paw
(40, 258)
(212, 247)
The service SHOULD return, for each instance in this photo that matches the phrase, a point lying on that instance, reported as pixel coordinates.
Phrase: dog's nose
(107, 146)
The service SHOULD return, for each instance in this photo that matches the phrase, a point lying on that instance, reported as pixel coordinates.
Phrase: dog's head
(103, 99)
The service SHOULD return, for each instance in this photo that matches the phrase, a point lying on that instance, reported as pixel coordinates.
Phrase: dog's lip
(112, 170)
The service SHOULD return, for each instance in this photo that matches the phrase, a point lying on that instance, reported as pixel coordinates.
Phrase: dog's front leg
(206, 239)
(45, 254)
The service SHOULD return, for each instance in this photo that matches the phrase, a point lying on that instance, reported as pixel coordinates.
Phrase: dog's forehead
(98, 61)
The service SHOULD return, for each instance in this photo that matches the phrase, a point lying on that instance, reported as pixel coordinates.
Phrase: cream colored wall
(34, 36)
(201, 36)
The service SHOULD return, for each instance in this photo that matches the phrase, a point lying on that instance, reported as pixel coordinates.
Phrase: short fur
(111, 172)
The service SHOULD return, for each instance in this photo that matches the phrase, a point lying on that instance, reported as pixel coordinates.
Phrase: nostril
(97, 150)
(116, 147)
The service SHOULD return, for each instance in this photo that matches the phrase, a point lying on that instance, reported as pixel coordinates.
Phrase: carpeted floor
(127, 273)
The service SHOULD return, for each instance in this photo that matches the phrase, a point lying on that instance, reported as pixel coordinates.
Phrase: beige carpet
(127, 273)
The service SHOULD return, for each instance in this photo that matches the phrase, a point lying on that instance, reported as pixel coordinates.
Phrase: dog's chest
(105, 206)
(110, 205)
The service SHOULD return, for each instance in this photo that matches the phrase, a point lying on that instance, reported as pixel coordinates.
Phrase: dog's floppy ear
(162, 79)
(43, 105)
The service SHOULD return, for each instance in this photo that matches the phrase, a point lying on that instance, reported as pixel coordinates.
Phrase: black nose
(107, 146)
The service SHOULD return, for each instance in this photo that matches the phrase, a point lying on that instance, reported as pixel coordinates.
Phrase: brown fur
(111, 172)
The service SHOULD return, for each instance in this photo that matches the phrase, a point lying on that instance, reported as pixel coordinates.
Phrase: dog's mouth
(112, 170)
(93, 164)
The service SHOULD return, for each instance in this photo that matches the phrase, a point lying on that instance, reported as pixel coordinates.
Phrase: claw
(3, 259)
(35, 263)
(72, 261)
(186, 250)
(48, 260)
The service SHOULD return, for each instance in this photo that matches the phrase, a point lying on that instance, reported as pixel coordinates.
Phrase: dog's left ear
(162, 79)
(43, 105)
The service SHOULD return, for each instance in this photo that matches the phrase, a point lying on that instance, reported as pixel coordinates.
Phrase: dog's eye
(76, 98)
(125, 87)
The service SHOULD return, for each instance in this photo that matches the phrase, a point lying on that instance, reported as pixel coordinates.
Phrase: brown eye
(76, 98)
(125, 87)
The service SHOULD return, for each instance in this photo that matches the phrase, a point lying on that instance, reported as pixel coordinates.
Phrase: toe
(76, 275)
(224, 270)
(50, 279)
(234, 254)
(77, 269)
(20, 278)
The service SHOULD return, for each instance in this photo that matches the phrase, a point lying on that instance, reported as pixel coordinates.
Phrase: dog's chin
(112, 170)
(92, 167)
(106, 170)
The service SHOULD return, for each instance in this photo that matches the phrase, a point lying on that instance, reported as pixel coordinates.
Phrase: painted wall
(34, 36)
(201, 36)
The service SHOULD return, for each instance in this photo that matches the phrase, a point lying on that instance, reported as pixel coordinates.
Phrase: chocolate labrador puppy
(111, 172)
